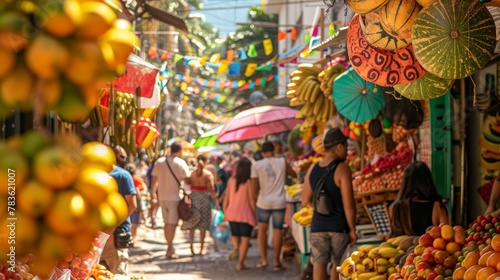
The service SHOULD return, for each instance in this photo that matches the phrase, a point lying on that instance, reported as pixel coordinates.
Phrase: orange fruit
(17, 87)
(60, 18)
(493, 260)
(471, 272)
(95, 185)
(86, 62)
(485, 272)
(56, 167)
(13, 173)
(494, 276)
(27, 233)
(68, 214)
(495, 243)
(459, 273)
(51, 92)
(483, 259)
(471, 259)
(34, 199)
(486, 249)
(46, 56)
(8, 59)
(14, 30)
(97, 19)
(119, 205)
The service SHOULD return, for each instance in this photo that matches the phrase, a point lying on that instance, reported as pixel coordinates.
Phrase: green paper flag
(252, 52)
(177, 58)
(307, 37)
(331, 30)
(267, 67)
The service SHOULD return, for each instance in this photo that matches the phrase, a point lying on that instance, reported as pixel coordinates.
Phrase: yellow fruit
(17, 87)
(27, 233)
(387, 252)
(56, 167)
(119, 205)
(81, 242)
(8, 59)
(86, 62)
(98, 155)
(69, 213)
(95, 185)
(34, 199)
(72, 106)
(60, 17)
(97, 18)
(107, 216)
(122, 42)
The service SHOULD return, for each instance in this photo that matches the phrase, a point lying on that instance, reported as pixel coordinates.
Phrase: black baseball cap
(333, 137)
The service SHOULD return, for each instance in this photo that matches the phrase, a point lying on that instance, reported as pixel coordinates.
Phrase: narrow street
(148, 259)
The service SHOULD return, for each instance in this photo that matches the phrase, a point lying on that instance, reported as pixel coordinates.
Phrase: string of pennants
(240, 85)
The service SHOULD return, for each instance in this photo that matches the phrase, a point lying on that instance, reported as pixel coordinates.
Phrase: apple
(439, 269)
(410, 258)
(439, 256)
(479, 219)
(489, 218)
(427, 257)
(483, 223)
(439, 243)
(478, 229)
(449, 262)
(431, 276)
(435, 232)
(419, 250)
(494, 220)
(417, 259)
(17, 276)
(423, 266)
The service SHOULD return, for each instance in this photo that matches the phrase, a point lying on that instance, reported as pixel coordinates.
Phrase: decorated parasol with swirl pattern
(382, 67)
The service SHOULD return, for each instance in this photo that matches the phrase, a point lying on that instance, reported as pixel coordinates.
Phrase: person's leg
(338, 243)
(235, 239)
(123, 261)
(203, 233)
(320, 254)
(133, 230)
(263, 220)
(319, 271)
(170, 218)
(191, 241)
(246, 231)
(278, 217)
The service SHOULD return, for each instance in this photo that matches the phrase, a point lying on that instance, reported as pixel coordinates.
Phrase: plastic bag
(219, 230)
(81, 265)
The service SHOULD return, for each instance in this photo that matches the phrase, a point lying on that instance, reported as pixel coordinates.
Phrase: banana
(300, 114)
(386, 244)
(379, 277)
(373, 253)
(301, 90)
(315, 92)
(308, 91)
(360, 268)
(309, 68)
(291, 93)
(387, 252)
(298, 80)
(367, 275)
(291, 86)
(294, 102)
(382, 261)
(317, 106)
(381, 269)
(368, 263)
(397, 240)
(366, 248)
(296, 73)
(347, 267)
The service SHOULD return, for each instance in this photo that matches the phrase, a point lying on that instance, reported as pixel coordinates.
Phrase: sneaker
(234, 254)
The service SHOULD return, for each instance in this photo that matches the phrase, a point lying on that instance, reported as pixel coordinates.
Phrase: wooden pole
(363, 148)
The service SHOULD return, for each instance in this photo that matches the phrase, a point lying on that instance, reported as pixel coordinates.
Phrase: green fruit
(33, 142)
(72, 106)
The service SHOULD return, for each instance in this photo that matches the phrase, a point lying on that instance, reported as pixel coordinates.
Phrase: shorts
(263, 216)
(135, 218)
(328, 246)
(240, 229)
(169, 212)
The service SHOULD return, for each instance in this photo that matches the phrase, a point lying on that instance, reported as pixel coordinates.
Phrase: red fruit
(483, 223)
(459, 235)
(435, 232)
(440, 256)
(17, 276)
(423, 266)
(6, 272)
(439, 269)
(494, 220)
(477, 236)
(431, 276)
(450, 262)
(478, 229)
(427, 257)
(410, 258)
(498, 229)
(425, 240)
(489, 218)
(479, 219)
(2, 277)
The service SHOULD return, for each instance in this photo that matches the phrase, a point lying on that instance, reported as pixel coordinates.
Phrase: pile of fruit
(368, 182)
(22, 269)
(375, 146)
(61, 195)
(375, 262)
(305, 163)
(55, 53)
(99, 272)
(305, 90)
(303, 216)
(393, 177)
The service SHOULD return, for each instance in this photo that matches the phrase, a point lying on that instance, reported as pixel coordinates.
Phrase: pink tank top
(238, 208)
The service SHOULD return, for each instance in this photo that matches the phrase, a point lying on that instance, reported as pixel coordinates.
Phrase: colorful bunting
(250, 69)
(293, 33)
(164, 55)
(152, 52)
(178, 57)
(224, 65)
(268, 46)
(215, 58)
(281, 35)
(243, 55)
(230, 55)
(252, 51)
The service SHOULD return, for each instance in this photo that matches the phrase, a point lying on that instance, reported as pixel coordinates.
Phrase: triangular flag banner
(234, 68)
(314, 41)
(230, 55)
(243, 54)
(250, 69)
(268, 46)
(222, 98)
(293, 33)
(184, 86)
(204, 94)
(164, 55)
(203, 60)
(215, 58)
(331, 30)
(307, 37)
(223, 66)
(281, 35)
(252, 51)
(262, 82)
(152, 52)
(241, 83)
(315, 31)
(198, 111)
(178, 57)
(267, 67)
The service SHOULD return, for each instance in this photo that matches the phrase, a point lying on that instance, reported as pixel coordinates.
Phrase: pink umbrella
(257, 123)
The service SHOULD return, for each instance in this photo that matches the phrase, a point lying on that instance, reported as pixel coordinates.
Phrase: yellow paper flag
(203, 60)
(250, 69)
(184, 86)
(268, 46)
(215, 58)
(224, 65)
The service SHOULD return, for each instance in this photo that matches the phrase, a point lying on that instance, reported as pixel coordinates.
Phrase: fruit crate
(361, 215)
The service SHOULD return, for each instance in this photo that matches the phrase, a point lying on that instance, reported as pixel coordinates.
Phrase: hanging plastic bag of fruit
(219, 230)
(81, 264)
(403, 111)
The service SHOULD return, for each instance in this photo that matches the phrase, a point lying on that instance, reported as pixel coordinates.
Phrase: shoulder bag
(322, 201)
(185, 207)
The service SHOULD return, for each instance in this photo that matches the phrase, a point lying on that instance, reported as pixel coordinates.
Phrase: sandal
(261, 265)
(244, 267)
(234, 254)
(174, 256)
(279, 267)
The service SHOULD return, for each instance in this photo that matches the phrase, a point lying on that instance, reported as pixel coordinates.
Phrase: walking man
(166, 176)
(115, 253)
(330, 234)
(268, 182)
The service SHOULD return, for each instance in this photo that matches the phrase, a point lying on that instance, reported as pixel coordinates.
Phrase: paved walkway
(148, 259)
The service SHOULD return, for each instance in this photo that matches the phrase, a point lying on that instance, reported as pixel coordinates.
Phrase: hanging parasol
(257, 123)
(355, 98)
(209, 138)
